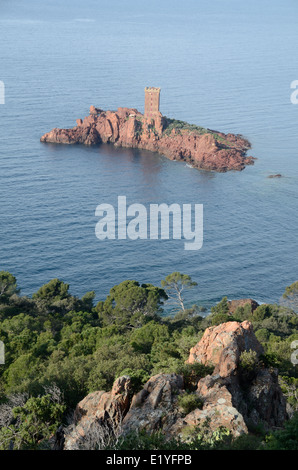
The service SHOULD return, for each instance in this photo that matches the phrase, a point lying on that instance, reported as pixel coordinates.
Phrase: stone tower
(152, 102)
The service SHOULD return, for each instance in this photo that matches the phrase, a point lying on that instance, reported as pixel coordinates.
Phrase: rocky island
(177, 140)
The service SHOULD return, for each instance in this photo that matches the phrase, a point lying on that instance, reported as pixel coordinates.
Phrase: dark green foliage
(290, 296)
(220, 313)
(245, 442)
(142, 339)
(243, 313)
(262, 335)
(138, 128)
(57, 338)
(33, 422)
(284, 439)
(221, 308)
(189, 402)
(220, 318)
(189, 316)
(87, 301)
(198, 438)
(144, 441)
(111, 359)
(53, 291)
(8, 286)
(262, 312)
(130, 305)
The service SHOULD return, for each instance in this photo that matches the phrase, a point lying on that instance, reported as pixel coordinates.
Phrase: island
(201, 148)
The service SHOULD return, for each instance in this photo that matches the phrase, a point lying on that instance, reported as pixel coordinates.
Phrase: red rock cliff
(127, 127)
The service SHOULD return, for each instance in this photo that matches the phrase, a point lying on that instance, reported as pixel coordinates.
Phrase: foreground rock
(127, 127)
(241, 397)
(98, 414)
(222, 345)
(232, 397)
(155, 407)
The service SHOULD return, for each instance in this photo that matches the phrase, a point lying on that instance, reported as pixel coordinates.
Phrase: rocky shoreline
(177, 140)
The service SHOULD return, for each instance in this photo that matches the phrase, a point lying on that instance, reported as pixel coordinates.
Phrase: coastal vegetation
(59, 348)
(170, 124)
(179, 127)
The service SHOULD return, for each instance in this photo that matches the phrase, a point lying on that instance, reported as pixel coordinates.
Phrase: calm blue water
(223, 64)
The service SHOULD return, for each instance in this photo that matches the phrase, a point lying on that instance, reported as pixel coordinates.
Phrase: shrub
(243, 442)
(222, 307)
(262, 335)
(262, 312)
(189, 402)
(221, 318)
(144, 441)
(192, 373)
(248, 360)
(33, 422)
(284, 439)
(203, 437)
(8, 286)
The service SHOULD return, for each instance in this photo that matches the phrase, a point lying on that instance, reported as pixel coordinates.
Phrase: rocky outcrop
(218, 410)
(232, 397)
(155, 406)
(98, 414)
(234, 304)
(127, 127)
(222, 346)
(254, 394)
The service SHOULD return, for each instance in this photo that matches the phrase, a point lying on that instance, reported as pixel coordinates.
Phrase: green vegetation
(170, 124)
(290, 296)
(220, 312)
(249, 360)
(284, 439)
(203, 438)
(174, 284)
(31, 422)
(195, 438)
(59, 348)
(181, 127)
(139, 128)
(8, 286)
(189, 402)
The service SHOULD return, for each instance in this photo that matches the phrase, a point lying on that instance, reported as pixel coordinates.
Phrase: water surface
(226, 65)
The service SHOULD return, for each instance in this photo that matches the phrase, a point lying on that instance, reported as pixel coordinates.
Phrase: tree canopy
(174, 285)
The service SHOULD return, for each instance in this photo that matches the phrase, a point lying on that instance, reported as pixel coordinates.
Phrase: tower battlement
(152, 88)
(152, 96)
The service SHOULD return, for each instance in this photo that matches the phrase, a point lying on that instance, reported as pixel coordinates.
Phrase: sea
(227, 65)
